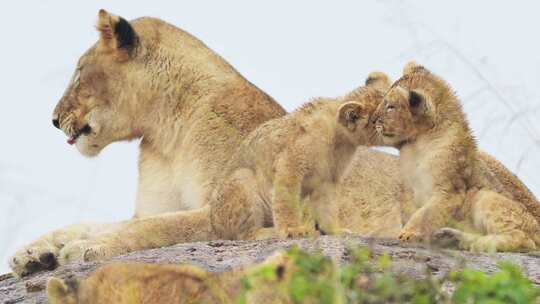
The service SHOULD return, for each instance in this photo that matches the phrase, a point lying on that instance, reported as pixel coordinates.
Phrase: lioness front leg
(145, 233)
(431, 217)
(42, 254)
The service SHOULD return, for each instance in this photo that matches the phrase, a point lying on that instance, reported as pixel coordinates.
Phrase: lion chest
(168, 186)
(416, 175)
(189, 180)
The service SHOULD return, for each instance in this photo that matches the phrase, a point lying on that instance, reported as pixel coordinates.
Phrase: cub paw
(447, 238)
(343, 231)
(483, 244)
(297, 232)
(32, 259)
(411, 236)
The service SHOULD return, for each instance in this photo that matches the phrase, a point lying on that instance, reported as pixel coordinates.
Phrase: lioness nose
(56, 123)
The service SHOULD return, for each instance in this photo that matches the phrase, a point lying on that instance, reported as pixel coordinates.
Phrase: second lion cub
(451, 181)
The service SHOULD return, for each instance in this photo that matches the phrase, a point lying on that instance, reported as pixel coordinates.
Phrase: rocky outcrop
(415, 261)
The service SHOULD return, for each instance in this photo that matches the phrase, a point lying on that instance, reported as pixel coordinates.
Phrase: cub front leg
(286, 199)
(326, 209)
(42, 254)
(431, 217)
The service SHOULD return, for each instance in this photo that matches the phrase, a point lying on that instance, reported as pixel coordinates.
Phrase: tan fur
(449, 181)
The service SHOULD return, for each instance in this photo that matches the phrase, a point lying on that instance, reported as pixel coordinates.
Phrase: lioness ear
(116, 34)
(418, 102)
(413, 67)
(351, 114)
(378, 80)
(60, 291)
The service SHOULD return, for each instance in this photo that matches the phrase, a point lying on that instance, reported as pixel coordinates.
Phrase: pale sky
(294, 50)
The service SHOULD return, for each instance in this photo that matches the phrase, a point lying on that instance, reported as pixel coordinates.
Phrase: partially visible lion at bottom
(140, 283)
(144, 283)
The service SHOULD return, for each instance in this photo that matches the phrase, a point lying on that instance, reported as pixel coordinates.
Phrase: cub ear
(378, 80)
(413, 67)
(60, 291)
(116, 34)
(418, 102)
(351, 114)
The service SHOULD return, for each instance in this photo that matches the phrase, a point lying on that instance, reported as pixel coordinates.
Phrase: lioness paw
(33, 259)
(88, 251)
(72, 252)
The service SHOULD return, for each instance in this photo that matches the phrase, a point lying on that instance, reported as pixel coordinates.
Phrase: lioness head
(356, 111)
(96, 108)
(408, 108)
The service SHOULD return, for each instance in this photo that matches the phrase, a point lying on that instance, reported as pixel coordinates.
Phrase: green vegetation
(299, 277)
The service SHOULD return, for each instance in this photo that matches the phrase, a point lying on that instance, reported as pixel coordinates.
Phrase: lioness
(150, 80)
(449, 180)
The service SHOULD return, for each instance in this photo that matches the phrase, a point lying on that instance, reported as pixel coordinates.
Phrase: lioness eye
(390, 108)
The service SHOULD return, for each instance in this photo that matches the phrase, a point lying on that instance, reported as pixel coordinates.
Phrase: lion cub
(294, 161)
(140, 283)
(153, 283)
(451, 181)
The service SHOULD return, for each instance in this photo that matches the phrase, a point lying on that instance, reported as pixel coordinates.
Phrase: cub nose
(375, 120)
(56, 123)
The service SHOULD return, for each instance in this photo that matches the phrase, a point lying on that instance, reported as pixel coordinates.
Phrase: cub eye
(390, 108)
(353, 117)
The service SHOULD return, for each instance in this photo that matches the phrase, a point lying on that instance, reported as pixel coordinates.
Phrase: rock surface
(225, 255)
